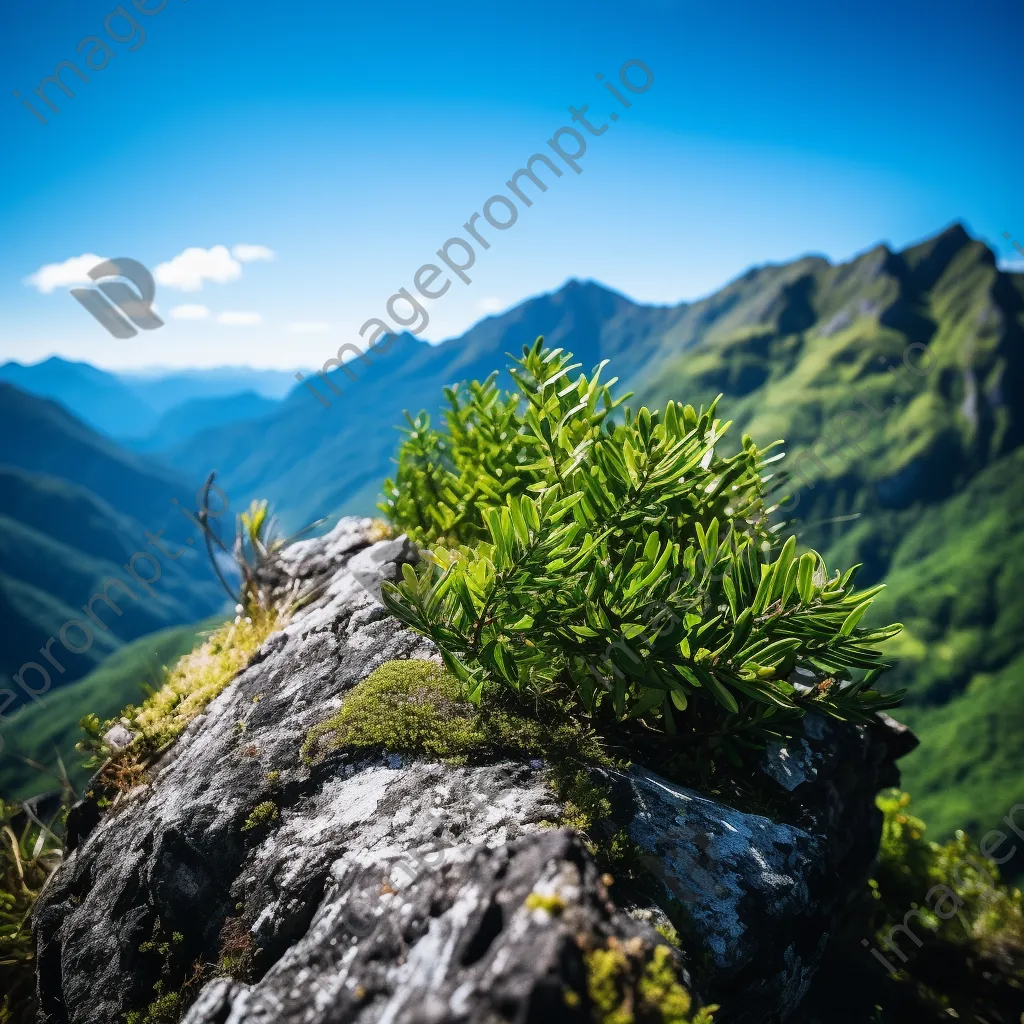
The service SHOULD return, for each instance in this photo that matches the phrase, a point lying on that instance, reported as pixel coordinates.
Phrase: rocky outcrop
(382, 889)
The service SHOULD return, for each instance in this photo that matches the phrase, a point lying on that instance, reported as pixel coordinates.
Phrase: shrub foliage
(626, 558)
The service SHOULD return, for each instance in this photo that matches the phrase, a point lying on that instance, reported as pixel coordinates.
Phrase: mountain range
(895, 379)
(75, 508)
(154, 409)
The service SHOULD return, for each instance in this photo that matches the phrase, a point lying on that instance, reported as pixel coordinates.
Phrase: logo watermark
(116, 306)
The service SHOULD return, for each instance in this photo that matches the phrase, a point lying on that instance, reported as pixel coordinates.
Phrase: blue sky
(352, 141)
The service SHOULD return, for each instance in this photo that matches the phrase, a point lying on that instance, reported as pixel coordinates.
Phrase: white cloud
(309, 327)
(1014, 264)
(63, 275)
(190, 312)
(490, 304)
(187, 271)
(247, 253)
(239, 318)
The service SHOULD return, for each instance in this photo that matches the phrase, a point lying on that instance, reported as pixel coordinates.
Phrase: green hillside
(42, 730)
(954, 581)
(74, 510)
(39, 436)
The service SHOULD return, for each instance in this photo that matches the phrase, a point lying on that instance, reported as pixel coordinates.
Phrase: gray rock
(457, 943)
(381, 561)
(118, 737)
(394, 890)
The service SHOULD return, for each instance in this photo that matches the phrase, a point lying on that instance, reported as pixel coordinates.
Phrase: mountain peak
(922, 265)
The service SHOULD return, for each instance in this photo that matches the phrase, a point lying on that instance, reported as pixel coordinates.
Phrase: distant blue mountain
(165, 389)
(188, 418)
(140, 407)
(99, 398)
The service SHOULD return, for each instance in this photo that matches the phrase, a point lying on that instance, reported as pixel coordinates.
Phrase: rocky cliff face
(383, 889)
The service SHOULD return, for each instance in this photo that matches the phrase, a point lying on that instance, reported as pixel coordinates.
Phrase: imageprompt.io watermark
(114, 305)
(500, 212)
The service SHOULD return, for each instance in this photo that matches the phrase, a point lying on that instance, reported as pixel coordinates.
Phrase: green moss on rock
(410, 707)
(262, 814)
(417, 708)
(623, 989)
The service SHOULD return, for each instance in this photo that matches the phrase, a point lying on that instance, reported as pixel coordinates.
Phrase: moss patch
(623, 989)
(551, 903)
(169, 1000)
(410, 707)
(165, 1009)
(416, 707)
(380, 529)
(262, 814)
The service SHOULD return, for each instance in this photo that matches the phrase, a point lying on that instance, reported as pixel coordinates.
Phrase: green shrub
(953, 888)
(622, 559)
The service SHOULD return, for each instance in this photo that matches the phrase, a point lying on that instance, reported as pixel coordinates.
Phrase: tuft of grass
(196, 679)
(28, 856)
(236, 951)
